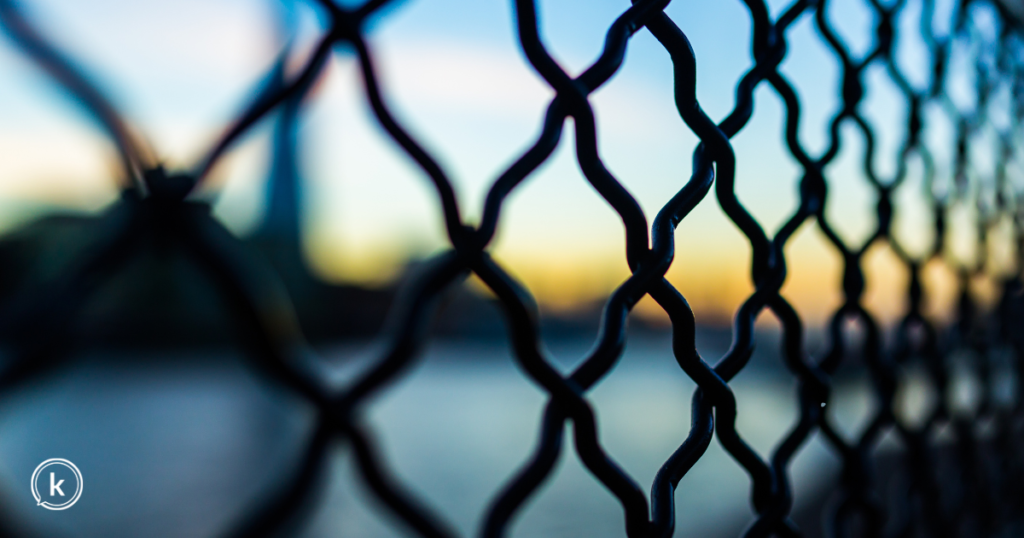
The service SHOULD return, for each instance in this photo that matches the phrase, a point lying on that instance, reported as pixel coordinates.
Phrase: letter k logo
(57, 499)
(55, 487)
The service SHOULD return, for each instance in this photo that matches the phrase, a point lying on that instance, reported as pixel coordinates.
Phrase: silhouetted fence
(977, 490)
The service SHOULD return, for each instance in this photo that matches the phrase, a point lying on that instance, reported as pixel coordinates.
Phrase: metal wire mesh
(979, 493)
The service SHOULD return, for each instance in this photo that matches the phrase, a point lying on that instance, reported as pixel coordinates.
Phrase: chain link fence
(964, 462)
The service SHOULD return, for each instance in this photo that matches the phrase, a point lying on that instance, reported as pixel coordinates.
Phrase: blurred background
(175, 437)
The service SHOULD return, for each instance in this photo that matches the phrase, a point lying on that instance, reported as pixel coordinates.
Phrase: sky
(455, 77)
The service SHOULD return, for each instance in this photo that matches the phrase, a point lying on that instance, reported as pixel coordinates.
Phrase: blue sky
(454, 75)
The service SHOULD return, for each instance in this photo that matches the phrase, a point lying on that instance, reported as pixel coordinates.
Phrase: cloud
(465, 76)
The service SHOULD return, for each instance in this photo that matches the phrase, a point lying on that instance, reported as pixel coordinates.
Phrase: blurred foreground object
(937, 448)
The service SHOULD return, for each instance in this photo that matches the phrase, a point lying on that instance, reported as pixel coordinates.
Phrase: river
(181, 446)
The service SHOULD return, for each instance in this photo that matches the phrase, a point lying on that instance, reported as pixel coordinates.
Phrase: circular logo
(61, 484)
